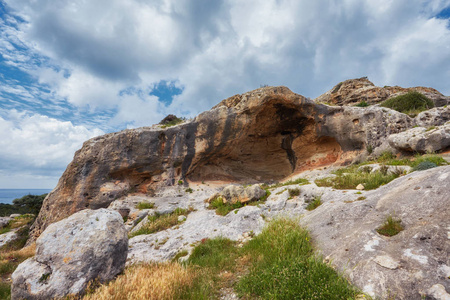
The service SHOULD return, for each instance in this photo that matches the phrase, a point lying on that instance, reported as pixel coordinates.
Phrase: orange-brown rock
(266, 134)
(354, 91)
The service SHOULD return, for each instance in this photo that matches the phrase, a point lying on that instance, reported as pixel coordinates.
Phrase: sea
(8, 195)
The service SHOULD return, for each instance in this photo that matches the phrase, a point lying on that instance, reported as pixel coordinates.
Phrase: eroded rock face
(267, 134)
(86, 246)
(233, 193)
(422, 139)
(354, 91)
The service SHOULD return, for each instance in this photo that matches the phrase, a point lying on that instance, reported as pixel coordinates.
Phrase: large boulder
(422, 139)
(89, 245)
(238, 193)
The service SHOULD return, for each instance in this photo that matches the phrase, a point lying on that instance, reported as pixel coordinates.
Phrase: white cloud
(87, 53)
(38, 145)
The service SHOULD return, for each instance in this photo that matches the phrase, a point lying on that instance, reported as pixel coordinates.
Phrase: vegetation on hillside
(410, 103)
(12, 254)
(29, 204)
(280, 263)
(350, 177)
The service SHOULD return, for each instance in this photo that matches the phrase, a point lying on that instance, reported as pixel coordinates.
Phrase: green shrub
(390, 227)
(425, 165)
(409, 103)
(362, 104)
(351, 180)
(316, 202)
(145, 205)
(436, 159)
(294, 192)
(159, 222)
(173, 122)
(29, 204)
(299, 181)
(223, 209)
(189, 190)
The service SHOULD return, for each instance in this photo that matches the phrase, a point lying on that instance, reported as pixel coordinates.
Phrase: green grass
(410, 103)
(299, 181)
(174, 122)
(316, 202)
(362, 104)
(145, 205)
(370, 181)
(214, 253)
(284, 266)
(159, 222)
(390, 227)
(223, 209)
(349, 177)
(294, 192)
(5, 290)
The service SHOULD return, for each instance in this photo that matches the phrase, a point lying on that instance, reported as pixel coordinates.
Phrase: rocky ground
(406, 266)
(272, 135)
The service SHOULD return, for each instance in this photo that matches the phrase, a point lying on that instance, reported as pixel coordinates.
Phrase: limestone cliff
(354, 91)
(267, 134)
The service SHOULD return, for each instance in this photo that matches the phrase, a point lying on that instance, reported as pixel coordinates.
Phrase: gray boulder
(421, 139)
(91, 244)
(4, 221)
(237, 193)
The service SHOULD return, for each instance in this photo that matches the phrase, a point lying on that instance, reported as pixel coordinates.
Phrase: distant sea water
(8, 195)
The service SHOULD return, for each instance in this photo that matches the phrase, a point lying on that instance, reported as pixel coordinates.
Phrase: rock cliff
(266, 134)
(354, 91)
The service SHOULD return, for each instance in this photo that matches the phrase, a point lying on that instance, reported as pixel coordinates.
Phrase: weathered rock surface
(4, 221)
(238, 193)
(343, 227)
(86, 246)
(7, 237)
(406, 265)
(267, 134)
(354, 91)
(422, 139)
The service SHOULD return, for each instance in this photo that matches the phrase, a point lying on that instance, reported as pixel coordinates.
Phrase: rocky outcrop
(86, 246)
(234, 193)
(410, 265)
(406, 265)
(422, 139)
(354, 91)
(267, 134)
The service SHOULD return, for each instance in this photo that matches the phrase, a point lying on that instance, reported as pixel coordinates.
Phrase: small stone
(181, 218)
(387, 262)
(15, 215)
(360, 187)
(438, 292)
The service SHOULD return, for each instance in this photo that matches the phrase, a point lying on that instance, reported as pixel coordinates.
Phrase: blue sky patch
(166, 90)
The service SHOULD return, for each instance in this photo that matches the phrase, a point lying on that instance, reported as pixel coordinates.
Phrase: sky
(74, 69)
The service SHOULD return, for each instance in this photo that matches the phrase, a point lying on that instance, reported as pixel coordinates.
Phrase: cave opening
(276, 141)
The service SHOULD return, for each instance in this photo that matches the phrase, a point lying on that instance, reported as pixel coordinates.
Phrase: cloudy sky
(74, 69)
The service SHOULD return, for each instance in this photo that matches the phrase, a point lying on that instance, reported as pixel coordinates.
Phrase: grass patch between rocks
(350, 177)
(316, 202)
(160, 222)
(280, 263)
(392, 226)
(145, 205)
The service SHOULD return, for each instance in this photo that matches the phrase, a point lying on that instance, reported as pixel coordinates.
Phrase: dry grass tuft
(147, 281)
